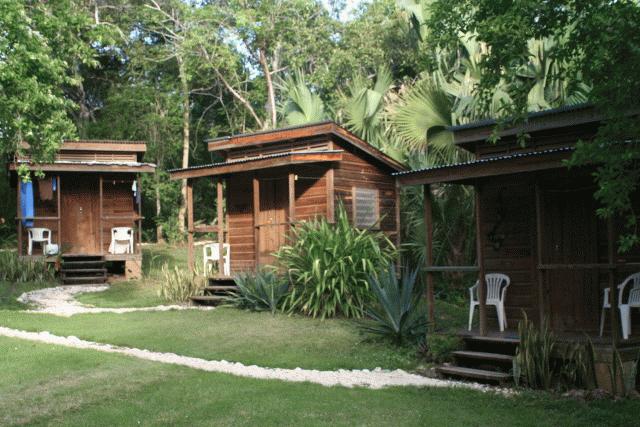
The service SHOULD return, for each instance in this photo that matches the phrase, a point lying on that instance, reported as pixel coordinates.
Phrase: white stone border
(374, 379)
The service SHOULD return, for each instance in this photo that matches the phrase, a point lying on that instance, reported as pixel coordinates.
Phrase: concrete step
(474, 374)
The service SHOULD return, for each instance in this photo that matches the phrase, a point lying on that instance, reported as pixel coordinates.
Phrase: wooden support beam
(256, 210)
(140, 217)
(331, 208)
(613, 294)
(220, 215)
(100, 223)
(19, 209)
(397, 214)
(59, 212)
(292, 198)
(482, 288)
(541, 274)
(428, 259)
(190, 253)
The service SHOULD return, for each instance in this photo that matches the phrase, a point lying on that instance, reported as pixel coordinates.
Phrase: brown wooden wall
(320, 143)
(555, 138)
(96, 156)
(508, 210)
(354, 170)
(118, 201)
(240, 221)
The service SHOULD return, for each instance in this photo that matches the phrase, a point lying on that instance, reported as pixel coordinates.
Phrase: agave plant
(398, 314)
(262, 290)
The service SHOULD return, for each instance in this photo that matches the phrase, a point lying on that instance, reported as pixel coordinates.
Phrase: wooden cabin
(536, 222)
(268, 181)
(90, 188)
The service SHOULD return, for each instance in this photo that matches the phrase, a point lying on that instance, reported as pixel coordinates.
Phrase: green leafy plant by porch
(397, 314)
(259, 291)
(13, 269)
(532, 363)
(329, 265)
(178, 284)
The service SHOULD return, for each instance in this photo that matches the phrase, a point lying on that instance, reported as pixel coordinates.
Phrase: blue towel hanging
(54, 183)
(26, 203)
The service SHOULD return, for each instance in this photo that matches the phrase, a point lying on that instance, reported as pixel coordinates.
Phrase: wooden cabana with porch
(536, 222)
(269, 180)
(91, 189)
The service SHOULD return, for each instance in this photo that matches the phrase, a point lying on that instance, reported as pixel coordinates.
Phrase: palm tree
(300, 104)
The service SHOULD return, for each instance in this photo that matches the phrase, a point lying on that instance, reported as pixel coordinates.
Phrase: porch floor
(511, 335)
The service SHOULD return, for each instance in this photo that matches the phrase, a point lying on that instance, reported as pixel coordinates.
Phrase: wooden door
(79, 215)
(272, 217)
(571, 237)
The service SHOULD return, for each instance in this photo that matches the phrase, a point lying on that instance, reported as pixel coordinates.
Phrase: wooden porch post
(482, 288)
(539, 242)
(331, 209)
(256, 209)
(292, 198)
(613, 294)
(428, 225)
(100, 224)
(397, 213)
(190, 254)
(19, 222)
(139, 187)
(220, 215)
(59, 188)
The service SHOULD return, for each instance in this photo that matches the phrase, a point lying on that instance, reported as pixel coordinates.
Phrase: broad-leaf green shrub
(397, 314)
(13, 269)
(328, 266)
(261, 290)
(178, 284)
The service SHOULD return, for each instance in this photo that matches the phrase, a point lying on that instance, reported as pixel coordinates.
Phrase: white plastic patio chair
(633, 301)
(211, 254)
(39, 235)
(497, 285)
(121, 240)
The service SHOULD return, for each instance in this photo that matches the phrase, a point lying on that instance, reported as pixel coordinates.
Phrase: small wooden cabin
(536, 222)
(91, 187)
(272, 179)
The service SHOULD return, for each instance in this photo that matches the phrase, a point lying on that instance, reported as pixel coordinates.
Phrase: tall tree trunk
(271, 98)
(184, 83)
(159, 232)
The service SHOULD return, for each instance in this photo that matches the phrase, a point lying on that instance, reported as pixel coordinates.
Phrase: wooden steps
(80, 270)
(216, 291)
(478, 374)
(484, 359)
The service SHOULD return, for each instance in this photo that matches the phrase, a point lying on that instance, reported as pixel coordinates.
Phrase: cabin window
(366, 212)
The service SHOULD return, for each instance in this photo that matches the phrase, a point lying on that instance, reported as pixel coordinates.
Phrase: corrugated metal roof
(252, 159)
(94, 163)
(262, 132)
(551, 111)
(489, 160)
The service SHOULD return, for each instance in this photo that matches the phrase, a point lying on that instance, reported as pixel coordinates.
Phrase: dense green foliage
(593, 43)
(328, 266)
(397, 313)
(532, 363)
(260, 290)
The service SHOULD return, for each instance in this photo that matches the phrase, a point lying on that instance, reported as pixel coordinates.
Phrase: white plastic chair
(633, 301)
(39, 235)
(211, 253)
(497, 285)
(121, 240)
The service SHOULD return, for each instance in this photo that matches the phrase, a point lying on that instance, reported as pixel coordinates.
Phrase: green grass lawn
(51, 385)
(134, 293)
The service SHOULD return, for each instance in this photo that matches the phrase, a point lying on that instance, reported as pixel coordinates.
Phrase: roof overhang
(257, 163)
(328, 128)
(488, 167)
(106, 145)
(89, 166)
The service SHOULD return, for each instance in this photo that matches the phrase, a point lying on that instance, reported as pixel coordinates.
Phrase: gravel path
(61, 302)
(375, 379)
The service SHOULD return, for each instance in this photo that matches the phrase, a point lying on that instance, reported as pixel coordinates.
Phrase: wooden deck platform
(512, 336)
